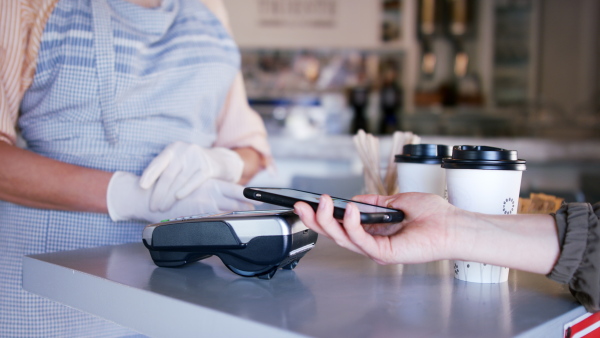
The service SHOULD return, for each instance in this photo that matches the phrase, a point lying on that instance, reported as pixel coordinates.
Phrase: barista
(105, 93)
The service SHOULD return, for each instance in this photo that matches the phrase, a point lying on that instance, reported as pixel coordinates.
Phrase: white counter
(332, 293)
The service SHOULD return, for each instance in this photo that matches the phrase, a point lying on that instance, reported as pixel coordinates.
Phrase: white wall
(305, 23)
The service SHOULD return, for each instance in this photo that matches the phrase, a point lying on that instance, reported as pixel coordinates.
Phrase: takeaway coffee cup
(419, 168)
(486, 180)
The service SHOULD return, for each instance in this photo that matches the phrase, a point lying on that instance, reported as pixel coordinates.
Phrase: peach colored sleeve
(21, 27)
(238, 124)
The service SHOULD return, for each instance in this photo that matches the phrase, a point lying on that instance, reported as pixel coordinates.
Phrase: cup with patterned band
(486, 180)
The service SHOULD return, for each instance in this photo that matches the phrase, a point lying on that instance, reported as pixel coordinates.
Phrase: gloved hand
(126, 200)
(182, 167)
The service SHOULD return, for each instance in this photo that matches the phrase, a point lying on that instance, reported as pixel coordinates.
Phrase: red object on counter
(587, 326)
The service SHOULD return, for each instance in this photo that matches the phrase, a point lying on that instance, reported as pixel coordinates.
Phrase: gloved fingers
(163, 196)
(179, 180)
(228, 189)
(219, 195)
(156, 167)
(235, 191)
(123, 196)
(193, 183)
(229, 204)
(227, 164)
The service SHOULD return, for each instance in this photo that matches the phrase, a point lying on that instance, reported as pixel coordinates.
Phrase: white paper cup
(486, 180)
(486, 191)
(419, 168)
(480, 272)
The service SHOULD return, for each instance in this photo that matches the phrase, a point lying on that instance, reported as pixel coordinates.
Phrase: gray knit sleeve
(579, 261)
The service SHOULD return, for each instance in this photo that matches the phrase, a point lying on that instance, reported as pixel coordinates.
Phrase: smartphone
(369, 213)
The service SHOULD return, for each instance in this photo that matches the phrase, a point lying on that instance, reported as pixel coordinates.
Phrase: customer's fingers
(333, 227)
(308, 217)
(374, 247)
(369, 198)
(380, 200)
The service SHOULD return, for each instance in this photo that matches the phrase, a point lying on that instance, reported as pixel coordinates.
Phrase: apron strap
(105, 68)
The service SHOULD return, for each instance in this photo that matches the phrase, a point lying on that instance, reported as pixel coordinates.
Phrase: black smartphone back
(369, 213)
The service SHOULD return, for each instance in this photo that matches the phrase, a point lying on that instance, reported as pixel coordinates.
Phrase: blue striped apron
(115, 83)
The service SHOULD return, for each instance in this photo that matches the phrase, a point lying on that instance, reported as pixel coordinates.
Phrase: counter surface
(332, 293)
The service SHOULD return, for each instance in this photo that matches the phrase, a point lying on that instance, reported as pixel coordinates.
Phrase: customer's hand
(182, 167)
(426, 234)
(127, 201)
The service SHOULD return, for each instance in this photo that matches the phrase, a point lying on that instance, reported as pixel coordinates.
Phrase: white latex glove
(182, 167)
(127, 201)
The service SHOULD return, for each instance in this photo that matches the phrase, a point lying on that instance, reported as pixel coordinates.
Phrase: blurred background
(518, 74)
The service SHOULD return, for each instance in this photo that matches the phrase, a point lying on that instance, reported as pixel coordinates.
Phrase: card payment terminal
(250, 243)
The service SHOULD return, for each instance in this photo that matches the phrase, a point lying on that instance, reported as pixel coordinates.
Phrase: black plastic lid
(424, 153)
(483, 157)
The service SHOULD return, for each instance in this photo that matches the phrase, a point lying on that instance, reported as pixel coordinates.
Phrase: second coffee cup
(419, 168)
(486, 180)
